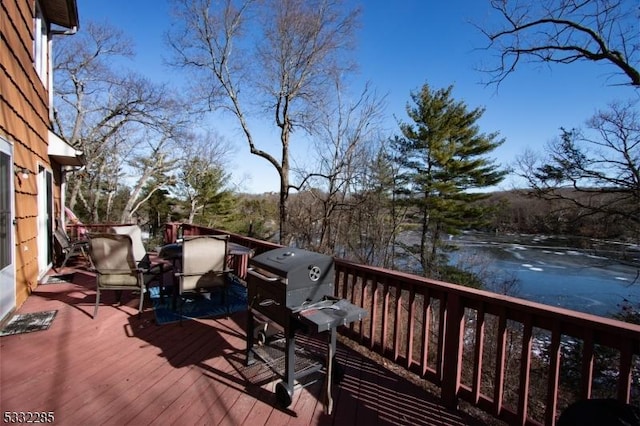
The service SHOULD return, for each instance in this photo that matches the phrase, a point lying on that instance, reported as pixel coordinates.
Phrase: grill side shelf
(330, 313)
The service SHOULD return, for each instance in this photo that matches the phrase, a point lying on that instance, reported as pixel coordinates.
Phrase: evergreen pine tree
(443, 159)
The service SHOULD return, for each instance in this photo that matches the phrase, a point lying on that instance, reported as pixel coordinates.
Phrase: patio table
(238, 256)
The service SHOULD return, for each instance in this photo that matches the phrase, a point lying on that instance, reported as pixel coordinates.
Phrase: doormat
(26, 323)
(57, 279)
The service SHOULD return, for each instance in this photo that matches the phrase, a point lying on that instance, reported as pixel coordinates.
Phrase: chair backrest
(62, 238)
(112, 257)
(135, 233)
(203, 261)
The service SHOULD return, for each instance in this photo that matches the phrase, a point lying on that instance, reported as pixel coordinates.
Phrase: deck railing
(519, 361)
(79, 231)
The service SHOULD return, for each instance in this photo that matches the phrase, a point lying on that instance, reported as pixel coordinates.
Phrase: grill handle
(261, 276)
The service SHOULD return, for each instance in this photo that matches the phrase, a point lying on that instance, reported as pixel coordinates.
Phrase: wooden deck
(120, 369)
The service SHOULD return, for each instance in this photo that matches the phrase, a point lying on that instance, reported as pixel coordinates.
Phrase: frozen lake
(549, 271)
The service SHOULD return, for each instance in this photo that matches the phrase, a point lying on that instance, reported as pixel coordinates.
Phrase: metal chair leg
(142, 292)
(66, 258)
(95, 311)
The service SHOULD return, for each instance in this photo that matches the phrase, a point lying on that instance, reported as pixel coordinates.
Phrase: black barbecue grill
(294, 289)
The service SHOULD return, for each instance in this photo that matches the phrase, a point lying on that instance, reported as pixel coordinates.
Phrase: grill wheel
(284, 395)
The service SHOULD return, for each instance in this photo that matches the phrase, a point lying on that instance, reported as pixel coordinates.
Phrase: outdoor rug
(26, 323)
(199, 307)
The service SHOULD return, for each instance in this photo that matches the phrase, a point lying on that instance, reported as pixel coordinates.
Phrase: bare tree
(124, 123)
(274, 56)
(343, 150)
(566, 31)
(373, 226)
(151, 168)
(80, 61)
(595, 171)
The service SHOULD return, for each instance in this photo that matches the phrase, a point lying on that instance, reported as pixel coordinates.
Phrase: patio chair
(113, 261)
(203, 267)
(69, 248)
(152, 270)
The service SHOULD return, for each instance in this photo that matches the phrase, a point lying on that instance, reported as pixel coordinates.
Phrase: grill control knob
(314, 273)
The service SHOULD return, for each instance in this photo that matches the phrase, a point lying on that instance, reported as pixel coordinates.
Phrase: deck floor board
(122, 369)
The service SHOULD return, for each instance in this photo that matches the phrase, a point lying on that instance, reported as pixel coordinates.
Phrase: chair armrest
(117, 271)
(221, 272)
(158, 267)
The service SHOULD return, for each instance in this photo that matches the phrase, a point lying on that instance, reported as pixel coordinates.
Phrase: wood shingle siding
(24, 123)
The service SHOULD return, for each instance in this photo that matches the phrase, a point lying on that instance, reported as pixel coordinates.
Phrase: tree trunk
(285, 132)
(284, 198)
(424, 233)
(192, 211)
(75, 190)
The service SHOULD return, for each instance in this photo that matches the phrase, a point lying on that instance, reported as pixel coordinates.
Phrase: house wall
(24, 122)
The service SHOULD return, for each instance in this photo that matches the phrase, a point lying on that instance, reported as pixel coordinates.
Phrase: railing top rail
(236, 238)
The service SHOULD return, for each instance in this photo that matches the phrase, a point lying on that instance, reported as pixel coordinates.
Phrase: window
(40, 46)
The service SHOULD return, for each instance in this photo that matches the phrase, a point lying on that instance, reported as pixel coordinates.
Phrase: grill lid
(286, 261)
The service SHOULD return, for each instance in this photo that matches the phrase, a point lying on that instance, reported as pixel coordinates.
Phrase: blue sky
(402, 45)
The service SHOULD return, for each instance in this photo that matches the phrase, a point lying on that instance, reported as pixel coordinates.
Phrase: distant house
(33, 160)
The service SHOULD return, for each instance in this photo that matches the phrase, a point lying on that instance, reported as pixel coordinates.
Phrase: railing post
(452, 356)
(170, 232)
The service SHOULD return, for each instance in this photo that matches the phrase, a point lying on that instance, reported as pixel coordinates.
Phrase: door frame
(45, 220)
(7, 221)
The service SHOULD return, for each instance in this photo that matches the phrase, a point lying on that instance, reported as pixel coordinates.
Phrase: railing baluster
(397, 324)
(426, 324)
(349, 273)
(453, 347)
(385, 315)
(498, 390)
(587, 365)
(411, 325)
(554, 374)
(525, 365)
(365, 279)
(374, 312)
(478, 354)
(624, 377)
(442, 321)
(357, 277)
